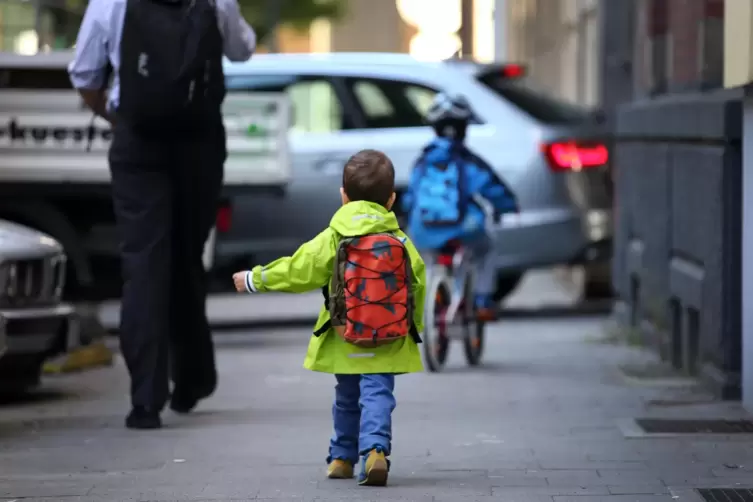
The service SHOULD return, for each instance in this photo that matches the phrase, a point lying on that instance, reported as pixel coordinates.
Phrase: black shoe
(184, 401)
(143, 418)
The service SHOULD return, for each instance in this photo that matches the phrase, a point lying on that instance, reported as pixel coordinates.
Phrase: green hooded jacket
(310, 268)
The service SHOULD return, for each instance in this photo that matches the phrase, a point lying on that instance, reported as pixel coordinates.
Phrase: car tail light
(224, 218)
(571, 156)
(513, 71)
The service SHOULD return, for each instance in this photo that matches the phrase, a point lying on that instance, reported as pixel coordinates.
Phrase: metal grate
(726, 494)
(669, 426)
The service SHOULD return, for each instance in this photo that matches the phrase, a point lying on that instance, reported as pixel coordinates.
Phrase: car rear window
(535, 103)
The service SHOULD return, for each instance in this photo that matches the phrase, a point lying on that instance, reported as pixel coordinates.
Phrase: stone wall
(676, 265)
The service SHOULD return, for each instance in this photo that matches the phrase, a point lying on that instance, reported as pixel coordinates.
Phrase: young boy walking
(373, 282)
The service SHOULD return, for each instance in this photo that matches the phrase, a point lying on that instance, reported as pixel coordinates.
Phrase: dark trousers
(165, 196)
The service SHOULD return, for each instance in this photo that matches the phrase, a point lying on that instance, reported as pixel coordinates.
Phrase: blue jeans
(362, 415)
(484, 266)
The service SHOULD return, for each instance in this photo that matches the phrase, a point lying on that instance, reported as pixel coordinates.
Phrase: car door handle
(329, 166)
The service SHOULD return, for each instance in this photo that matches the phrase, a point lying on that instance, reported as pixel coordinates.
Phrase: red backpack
(371, 301)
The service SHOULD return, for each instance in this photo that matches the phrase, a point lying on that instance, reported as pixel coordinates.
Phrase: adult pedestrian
(166, 161)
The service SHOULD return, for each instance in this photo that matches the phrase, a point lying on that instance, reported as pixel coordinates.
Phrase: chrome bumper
(38, 330)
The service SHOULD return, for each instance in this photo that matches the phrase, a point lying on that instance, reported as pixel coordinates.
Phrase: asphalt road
(541, 420)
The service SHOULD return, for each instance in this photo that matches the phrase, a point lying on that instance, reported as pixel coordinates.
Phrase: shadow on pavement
(30, 398)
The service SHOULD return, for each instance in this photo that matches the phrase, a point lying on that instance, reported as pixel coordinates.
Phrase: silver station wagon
(551, 154)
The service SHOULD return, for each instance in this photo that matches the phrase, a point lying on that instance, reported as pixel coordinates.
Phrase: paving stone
(550, 491)
(517, 497)
(734, 470)
(638, 489)
(580, 464)
(29, 489)
(535, 423)
(707, 481)
(618, 498)
(614, 477)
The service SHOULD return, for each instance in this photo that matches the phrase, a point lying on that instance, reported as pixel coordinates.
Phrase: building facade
(678, 178)
(426, 28)
(657, 68)
(559, 42)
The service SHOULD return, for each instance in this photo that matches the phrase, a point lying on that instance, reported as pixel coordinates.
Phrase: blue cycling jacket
(480, 179)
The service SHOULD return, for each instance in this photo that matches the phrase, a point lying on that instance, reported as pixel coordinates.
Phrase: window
(34, 78)
(388, 104)
(712, 44)
(420, 97)
(373, 101)
(536, 104)
(659, 51)
(316, 106)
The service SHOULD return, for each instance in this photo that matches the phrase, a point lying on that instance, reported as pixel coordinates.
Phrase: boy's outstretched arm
(309, 268)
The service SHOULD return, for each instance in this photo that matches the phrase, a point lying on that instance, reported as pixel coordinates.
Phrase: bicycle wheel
(473, 329)
(436, 342)
(473, 343)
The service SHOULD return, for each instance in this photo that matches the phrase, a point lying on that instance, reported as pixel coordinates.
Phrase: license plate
(207, 256)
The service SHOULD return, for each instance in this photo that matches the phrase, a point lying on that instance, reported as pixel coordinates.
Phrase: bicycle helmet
(449, 115)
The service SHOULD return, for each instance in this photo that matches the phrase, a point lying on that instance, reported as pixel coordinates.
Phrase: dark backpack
(171, 78)
(371, 300)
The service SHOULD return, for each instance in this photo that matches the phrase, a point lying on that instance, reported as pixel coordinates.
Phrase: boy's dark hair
(370, 176)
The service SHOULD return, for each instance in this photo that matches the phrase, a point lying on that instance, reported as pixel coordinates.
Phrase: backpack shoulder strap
(324, 327)
(414, 333)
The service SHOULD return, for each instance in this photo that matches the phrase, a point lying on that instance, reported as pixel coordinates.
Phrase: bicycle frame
(457, 275)
(454, 317)
(456, 270)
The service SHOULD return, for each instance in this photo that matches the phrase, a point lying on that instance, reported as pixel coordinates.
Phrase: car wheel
(506, 284)
(597, 281)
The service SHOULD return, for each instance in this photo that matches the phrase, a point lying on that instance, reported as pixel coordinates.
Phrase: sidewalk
(541, 421)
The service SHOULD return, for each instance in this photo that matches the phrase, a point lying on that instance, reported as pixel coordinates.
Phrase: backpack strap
(414, 333)
(325, 292)
(327, 325)
(324, 327)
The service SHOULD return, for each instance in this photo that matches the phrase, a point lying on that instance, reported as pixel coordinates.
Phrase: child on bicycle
(373, 282)
(442, 196)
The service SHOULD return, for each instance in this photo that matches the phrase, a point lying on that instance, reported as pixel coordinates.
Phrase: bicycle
(450, 311)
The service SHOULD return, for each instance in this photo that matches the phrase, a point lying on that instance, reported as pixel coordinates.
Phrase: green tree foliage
(296, 13)
(261, 14)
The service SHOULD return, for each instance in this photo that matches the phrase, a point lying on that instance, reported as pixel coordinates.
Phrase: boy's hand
(239, 279)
